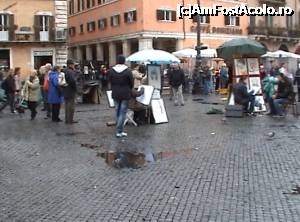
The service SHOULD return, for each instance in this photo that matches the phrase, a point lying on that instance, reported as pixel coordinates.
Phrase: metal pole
(198, 65)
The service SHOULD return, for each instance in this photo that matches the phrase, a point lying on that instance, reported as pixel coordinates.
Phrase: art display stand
(249, 67)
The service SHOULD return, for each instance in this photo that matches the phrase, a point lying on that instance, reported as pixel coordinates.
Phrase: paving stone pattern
(221, 171)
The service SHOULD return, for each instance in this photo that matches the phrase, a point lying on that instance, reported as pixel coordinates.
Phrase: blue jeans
(276, 105)
(121, 110)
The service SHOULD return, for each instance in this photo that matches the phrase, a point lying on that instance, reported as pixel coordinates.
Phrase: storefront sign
(42, 53)
(220, 30)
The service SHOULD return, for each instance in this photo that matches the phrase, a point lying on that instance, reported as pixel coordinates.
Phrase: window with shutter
(160, 14)
(173, 15)
(130, 17)
(91, 26)
(252, 21)
(237, 21)
(11, 27)
(37, 27)
(51, 28)
(115, 20)
(102, 24)
(269, 21)
(226, 20)
(166, 15)
(232, 21)
(78, 5)
(289, 22)
(207, 19)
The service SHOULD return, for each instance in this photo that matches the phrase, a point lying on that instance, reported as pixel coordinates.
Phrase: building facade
(32, 33)
(102, 29)
(276, 32)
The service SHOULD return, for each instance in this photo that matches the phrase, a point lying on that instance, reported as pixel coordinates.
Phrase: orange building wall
(106, 11)
(146, 20)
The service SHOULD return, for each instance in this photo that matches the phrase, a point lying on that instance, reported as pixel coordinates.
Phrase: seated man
(242, 96)
(138, 108)
(283, 95)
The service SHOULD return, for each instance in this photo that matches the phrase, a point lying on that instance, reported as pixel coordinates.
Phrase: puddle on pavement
(135, 160)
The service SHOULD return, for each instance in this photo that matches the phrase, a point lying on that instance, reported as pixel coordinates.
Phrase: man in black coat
(69, 92)
(177, 82)
(9, 87)
(121, 82)
(242, 96)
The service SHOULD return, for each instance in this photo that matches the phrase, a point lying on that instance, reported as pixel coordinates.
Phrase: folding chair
(129, 118)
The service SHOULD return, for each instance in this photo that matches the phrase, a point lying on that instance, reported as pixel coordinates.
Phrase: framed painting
(255, 84)
(253, 66)
(240, 66)
(154, 76)
(159, 111)
(147, 96)
(110, 100)
(260, 104)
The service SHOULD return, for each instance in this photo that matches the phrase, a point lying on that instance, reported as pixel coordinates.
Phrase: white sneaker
(118, 135)
(124, 134)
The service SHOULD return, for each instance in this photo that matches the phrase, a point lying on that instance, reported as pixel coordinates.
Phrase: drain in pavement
(90, 146)
(295, 191)
(69, 133)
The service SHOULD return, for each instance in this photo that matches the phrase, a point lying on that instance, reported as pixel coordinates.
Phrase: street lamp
(198, 87)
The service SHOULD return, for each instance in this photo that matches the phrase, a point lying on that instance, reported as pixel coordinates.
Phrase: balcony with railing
(270, 32)
(27, 34)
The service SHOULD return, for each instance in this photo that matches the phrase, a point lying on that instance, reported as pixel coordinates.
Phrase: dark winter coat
(9, 85)
(176, 77)
(121, 80)
(240, 92)
(285, 90)
(70, 90)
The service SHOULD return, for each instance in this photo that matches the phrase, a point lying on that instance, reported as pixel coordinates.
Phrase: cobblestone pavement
(221, 170)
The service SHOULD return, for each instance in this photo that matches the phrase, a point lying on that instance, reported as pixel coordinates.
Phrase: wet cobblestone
(238, 173)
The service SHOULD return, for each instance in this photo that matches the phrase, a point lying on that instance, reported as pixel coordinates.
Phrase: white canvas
(159, 111)
(147, 96)
(110, 100)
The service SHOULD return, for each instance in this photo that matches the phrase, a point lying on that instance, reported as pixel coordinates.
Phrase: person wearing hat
(69, 92)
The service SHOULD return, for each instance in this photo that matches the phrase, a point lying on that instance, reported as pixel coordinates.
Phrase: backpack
(46, 84)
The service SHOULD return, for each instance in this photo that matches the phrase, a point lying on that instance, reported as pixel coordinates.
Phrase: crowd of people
(54, 85)
(50, 85)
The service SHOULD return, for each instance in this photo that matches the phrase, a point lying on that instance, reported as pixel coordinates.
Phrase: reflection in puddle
(126, 159)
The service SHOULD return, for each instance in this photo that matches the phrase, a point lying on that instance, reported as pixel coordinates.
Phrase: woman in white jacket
(31, 92)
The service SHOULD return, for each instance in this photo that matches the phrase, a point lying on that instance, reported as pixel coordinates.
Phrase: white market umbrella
(185, 53)
(281, 54)
(209, 53)
(192, 53)
(153, 56)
